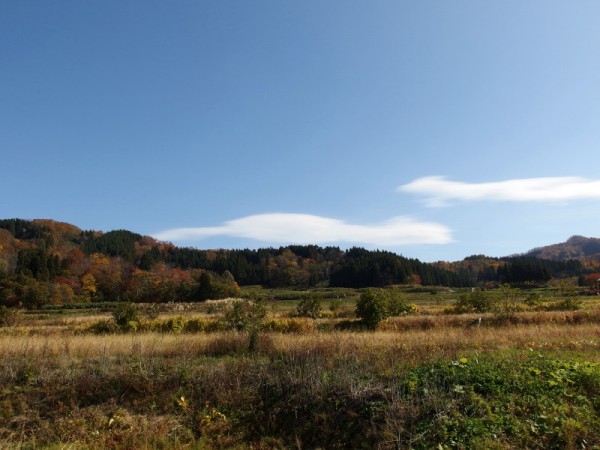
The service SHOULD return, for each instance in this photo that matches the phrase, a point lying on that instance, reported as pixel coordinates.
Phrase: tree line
(49, 262)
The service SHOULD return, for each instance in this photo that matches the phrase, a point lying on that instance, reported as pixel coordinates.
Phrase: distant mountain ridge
(576, 247)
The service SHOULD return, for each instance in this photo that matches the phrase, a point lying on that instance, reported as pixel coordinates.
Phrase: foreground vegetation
(305, 373)
(349, 390)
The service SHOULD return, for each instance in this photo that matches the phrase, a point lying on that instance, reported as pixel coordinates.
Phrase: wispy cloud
(438, 191)
(283, 228)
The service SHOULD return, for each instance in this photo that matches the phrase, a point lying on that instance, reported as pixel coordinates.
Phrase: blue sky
(432, 129)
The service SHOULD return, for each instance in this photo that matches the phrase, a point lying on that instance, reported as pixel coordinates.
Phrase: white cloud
(439, 191)
(283, 228)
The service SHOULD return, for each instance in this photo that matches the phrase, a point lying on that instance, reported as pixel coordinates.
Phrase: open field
(414, 346)
(428, 380)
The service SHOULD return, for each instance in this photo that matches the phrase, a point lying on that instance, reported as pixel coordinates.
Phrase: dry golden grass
(411, 346)
(156, 390)
(416, 346)
(62, 321)
(91, 346)
(429, 321)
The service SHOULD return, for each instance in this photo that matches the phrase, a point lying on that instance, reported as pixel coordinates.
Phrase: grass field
(427, 380)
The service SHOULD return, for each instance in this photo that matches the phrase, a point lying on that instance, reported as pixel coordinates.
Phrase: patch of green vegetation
(297, 294)
(376, 305)
(309, 307)
(512, 401)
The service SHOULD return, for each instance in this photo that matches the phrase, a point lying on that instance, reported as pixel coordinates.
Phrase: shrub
(102, 327)
(533, 299)
(566, 304)
(398, 304)
(508, 303)
(372, 307)
(375, 305)
(152, 311)
(243, 315)
(9, 316)
(309, 306)
(290, 325)
(175, 325)
(475, 301)
(247, 316)
(195, 326)
(335, 305)
(126, 316)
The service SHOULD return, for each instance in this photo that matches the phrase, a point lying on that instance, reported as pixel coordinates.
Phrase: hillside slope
(576, 247)
(47, 262)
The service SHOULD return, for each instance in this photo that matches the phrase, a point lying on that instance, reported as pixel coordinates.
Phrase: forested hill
(576, 247)
(43, 261)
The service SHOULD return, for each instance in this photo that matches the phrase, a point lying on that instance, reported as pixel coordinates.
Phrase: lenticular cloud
(283, 228)
(438, 191)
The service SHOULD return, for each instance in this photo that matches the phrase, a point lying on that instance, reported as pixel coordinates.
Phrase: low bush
(289, 325)
(9, 316)
(309, 306)
(102, 327)
(204, 326)
(375, 305)
(335, 306)
(565, 304)
(477, 301)
(247, 316)
(174, 325)
(126, 316)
